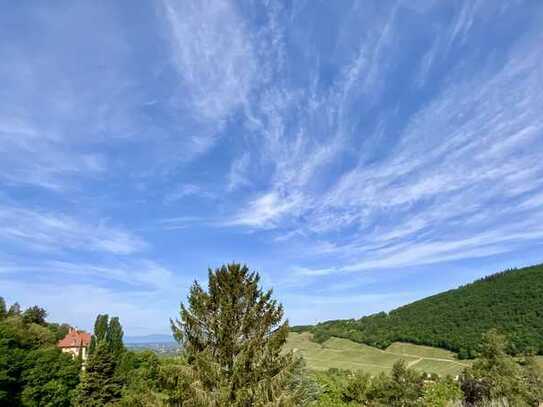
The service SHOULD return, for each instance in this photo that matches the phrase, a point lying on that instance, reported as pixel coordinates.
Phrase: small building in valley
(77, 343)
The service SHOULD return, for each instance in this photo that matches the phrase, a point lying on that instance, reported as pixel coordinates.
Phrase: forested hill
(511, 301)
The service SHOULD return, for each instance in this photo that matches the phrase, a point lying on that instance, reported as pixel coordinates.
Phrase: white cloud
(238, 175)
(187, 191)
(179, 222)
(213, 56)
(264, 211)
(34, 157)
(467, 161)
(53, 231)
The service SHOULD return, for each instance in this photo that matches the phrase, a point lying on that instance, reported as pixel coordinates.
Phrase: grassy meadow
(346, 354)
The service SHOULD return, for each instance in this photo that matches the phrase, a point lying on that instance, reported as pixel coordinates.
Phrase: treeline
(233, 335)
(511, 301)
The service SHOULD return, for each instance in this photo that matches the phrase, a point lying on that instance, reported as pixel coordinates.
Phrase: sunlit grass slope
(346, 354)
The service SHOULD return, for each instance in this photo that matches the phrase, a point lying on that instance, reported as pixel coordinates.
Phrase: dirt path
(414, 362)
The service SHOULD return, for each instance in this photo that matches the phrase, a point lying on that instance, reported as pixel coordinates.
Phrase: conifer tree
(233, 335)
(100, 331)
(114, 337)
(99, 385)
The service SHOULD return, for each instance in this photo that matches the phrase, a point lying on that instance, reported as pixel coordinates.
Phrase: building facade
(76, 343)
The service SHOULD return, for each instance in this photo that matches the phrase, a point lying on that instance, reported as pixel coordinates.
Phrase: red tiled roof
(75, 339)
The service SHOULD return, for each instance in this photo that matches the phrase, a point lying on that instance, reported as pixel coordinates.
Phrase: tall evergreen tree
(233, 335)
(100, 331)
(99, 385)
(114, 337)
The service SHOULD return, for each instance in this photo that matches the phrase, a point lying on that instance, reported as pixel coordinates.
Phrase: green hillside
(345, 354)
(511, 301)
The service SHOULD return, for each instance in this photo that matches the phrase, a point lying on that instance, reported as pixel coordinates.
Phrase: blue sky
(359, 155)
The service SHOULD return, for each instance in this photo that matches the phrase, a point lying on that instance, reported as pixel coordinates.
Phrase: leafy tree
(495, 375)
(33, 372)
(357, 387)
(3, 310)
(402, 389)
(99, 385)
(49, 379)
(35, 315)
(233, 336)
(14, 310)
(141, 373)
(59, 330)
(441, 393)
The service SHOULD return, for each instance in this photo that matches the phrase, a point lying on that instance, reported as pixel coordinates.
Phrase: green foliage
(114, 337)
(498, 376)
(35, 315)
(141, 373)
(441, 392)
(33, 372)
(49, 379)
(100, 385)
(100, 331)
(357, 387)
(403, 387)
(14, 310)
(233, 336)
(59, 330)
(510, 301)
(3, 310)
(105, 371)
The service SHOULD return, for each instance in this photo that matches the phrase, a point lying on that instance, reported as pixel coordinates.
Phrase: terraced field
(346, 354)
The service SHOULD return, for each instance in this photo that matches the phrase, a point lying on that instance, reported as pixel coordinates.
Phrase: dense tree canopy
(101, 381)
(511, 301)
(33, 371)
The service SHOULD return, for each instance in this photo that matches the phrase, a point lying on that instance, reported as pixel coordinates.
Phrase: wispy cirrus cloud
(430, 187)
(213, 56)
(141, 275)
(52, 231)
(335, 146)
(238, 176)
(33, 157)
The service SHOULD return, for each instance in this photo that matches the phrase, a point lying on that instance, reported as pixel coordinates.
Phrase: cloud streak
(50, 231)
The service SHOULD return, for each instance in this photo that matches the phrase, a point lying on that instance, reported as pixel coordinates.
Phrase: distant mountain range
(511, 301)
(146, 339)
